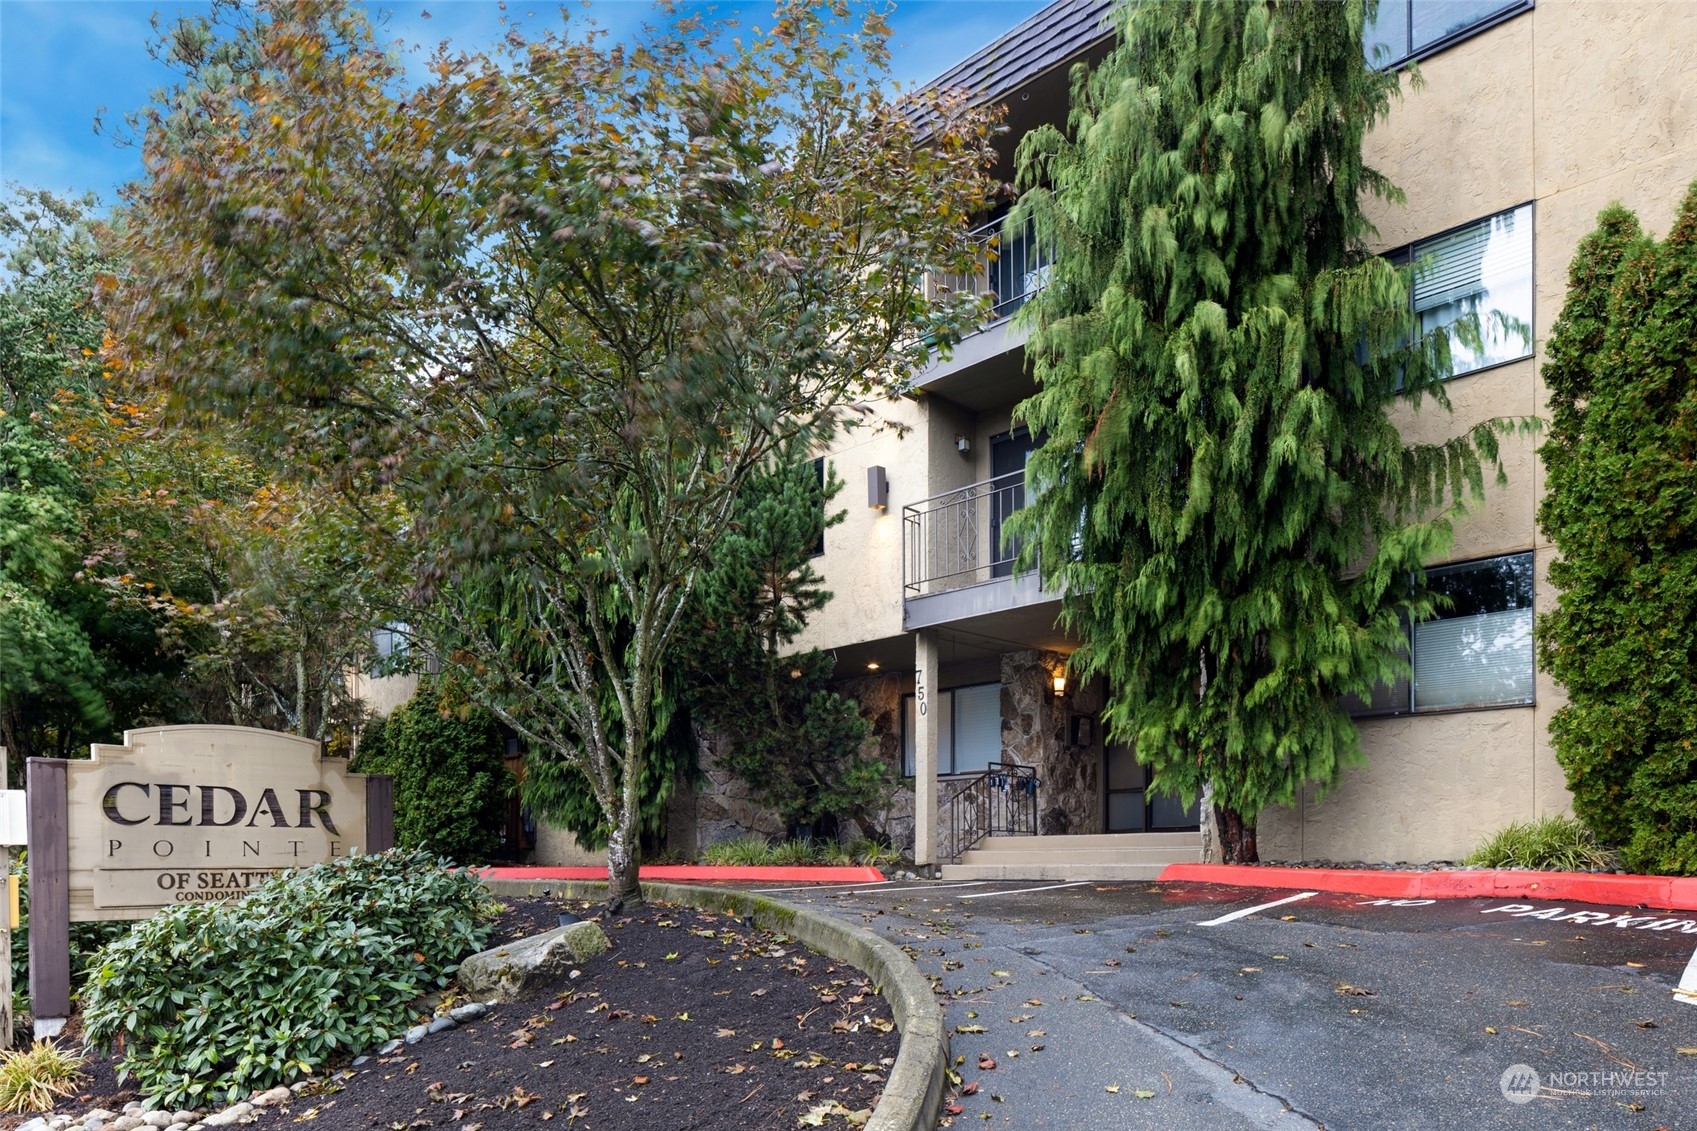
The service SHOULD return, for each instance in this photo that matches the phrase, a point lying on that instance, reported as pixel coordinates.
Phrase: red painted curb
(803, 874)
(1671, 892)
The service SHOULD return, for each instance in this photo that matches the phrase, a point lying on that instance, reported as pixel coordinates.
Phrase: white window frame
(948, 729)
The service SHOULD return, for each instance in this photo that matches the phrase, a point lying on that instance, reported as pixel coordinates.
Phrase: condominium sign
(180, 816)
(199, 814)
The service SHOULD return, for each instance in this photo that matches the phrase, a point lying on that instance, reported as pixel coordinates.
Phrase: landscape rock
(39, 1123)
(157, 1119)
(468, 1011)
(416, 1034)
(442, 1024)
(505, 972)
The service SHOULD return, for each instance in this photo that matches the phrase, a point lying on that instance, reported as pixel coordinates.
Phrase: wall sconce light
(1060, 685)
(877, 488)
(872, 665)
(963, 444)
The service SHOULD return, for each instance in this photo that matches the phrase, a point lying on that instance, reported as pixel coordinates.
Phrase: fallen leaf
(986, 1062)
(1144, 1094)
(970, 1089)
(1112, 1089)
(1348, 990)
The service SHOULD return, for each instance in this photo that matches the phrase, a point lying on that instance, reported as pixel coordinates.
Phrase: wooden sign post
(180, 815)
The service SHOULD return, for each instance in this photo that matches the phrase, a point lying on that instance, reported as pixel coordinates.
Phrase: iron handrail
(999, 801)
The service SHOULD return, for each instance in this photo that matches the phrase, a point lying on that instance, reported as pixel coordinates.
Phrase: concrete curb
(1671, 892)
(913, 1095)
(686, 873)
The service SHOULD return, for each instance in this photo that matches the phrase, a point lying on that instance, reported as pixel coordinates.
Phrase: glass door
(1008, 454)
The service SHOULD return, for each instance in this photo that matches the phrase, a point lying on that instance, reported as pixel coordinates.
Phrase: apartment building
(1530, 116)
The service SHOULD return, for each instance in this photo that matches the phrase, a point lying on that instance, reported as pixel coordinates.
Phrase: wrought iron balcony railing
(955, 539)
(1012, 268)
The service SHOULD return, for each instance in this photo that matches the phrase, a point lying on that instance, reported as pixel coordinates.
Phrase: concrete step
(1115, 856)
(1083, 856)
(1179, 840)
(1051, 871)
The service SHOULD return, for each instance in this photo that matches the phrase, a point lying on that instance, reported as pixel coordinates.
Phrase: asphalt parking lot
(1162, 1005)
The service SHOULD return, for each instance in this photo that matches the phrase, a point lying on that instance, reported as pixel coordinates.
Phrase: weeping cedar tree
(560, 300)
(1237, 526)
(1619, 506)
(798, 745)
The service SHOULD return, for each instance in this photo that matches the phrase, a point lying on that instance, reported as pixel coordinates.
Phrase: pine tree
(1620, 508)
(796, 743)
(1237, 525)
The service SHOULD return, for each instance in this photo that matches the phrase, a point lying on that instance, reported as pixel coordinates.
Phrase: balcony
(1011, 268)
(987, 369)
(956, 563)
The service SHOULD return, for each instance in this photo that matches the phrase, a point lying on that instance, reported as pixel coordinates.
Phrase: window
(1475, 653)
(1479, 274)
(969, 729)
(819, 475)
(1413, 29)
(391, 644)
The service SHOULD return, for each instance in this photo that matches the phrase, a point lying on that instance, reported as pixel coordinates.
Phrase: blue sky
(62, 61)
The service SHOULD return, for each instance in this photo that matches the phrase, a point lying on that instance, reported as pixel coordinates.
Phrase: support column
(49, 896)
(925, 679)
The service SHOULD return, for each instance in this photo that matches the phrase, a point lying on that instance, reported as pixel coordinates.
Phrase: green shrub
(451, 784)
(214, 1000)
(30, 1081)
(1622, 372)
(794, 852)
(873, 854)
(744, 850)
(1559, 842)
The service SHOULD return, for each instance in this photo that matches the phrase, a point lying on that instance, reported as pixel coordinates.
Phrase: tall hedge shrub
(1621, 508)
(451, 784)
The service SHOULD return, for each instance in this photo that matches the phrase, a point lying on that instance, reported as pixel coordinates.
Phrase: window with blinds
(1475, 284)
(1477, 652)
(969, 729)
(1412, 29)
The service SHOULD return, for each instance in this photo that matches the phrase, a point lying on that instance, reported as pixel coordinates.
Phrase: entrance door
(1132, 806)
(1008, 454)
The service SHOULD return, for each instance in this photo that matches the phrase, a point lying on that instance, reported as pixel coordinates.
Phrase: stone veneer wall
(720, 808)
(1034, 733)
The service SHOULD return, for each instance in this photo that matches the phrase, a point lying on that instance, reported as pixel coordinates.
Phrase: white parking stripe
(1022, 891)
(819, 887)
(1687, 991)
(1257, 907)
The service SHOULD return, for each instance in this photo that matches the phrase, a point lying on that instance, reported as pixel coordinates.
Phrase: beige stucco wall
(1573, 105)
(862, 560)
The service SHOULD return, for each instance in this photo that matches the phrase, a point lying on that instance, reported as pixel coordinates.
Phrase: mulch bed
(691, 1021)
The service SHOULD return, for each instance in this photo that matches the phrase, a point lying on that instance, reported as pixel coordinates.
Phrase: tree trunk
(1237, 837)
(624, 858)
